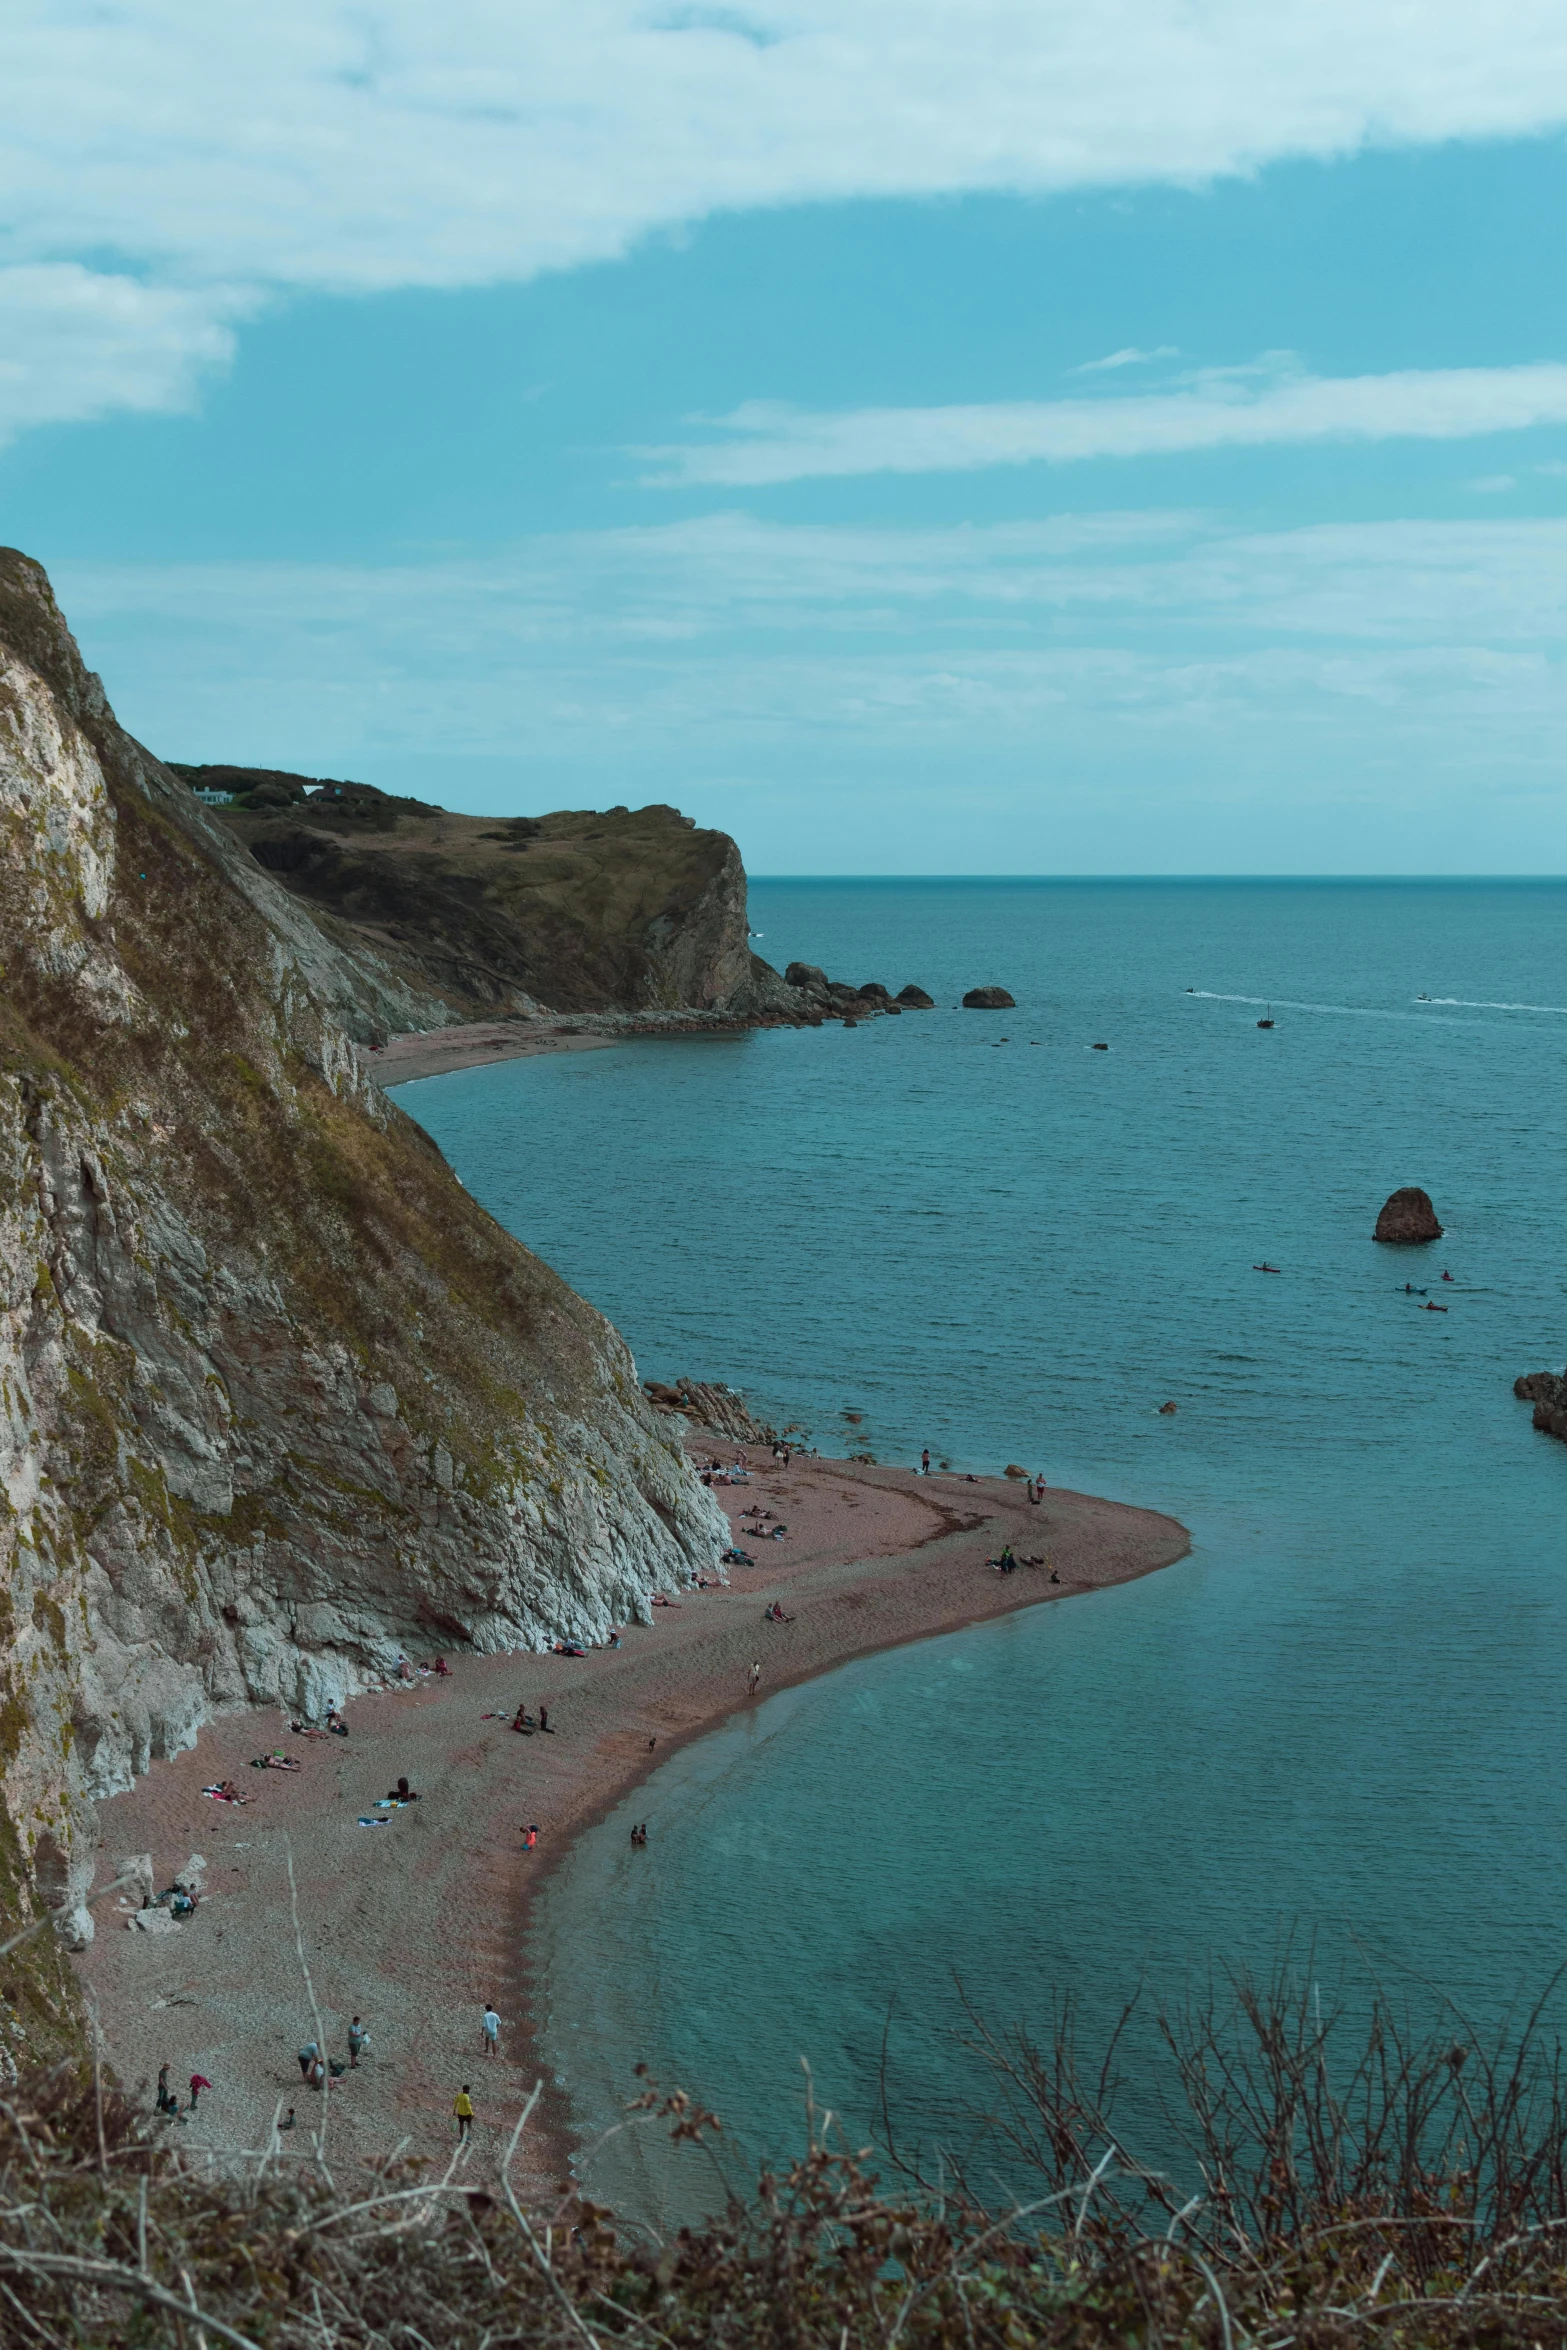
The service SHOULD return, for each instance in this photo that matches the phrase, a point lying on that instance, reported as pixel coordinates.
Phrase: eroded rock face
(1408, 1216)
(988, 999)
(277, 1399)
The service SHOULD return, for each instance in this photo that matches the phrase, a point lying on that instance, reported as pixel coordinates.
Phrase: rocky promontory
(278, 1401)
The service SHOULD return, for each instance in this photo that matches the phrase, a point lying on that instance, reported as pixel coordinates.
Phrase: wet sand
(414, 1925)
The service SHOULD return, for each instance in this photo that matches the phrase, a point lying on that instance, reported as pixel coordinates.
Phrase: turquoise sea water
(1342, 1717)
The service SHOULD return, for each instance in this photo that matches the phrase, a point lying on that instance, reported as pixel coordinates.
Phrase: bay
(1339, 1721)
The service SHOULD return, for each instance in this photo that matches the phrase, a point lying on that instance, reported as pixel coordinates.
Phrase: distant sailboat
(1268, 1023)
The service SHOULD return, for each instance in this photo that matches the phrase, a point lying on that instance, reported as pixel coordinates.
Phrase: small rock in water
(916, 999)
(988, 999)
(1099, 1048)
(1408, 1215)
(1165, 1409)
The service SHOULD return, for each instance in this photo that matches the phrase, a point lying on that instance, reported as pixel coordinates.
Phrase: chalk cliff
(277, 1399)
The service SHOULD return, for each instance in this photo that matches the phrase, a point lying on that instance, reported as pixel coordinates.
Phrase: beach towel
(364, 1823)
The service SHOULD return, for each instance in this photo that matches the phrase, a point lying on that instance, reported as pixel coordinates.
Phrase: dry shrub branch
(1356, 2184)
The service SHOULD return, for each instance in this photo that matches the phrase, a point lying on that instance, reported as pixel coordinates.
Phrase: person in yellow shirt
(463, 2109)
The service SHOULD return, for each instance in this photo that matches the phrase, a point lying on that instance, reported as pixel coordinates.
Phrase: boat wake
(1457, 1003)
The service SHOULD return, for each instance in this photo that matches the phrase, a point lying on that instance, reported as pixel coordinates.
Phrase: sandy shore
(414, 1925)
(438, 1050)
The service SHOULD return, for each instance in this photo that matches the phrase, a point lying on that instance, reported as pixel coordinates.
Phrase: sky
(998, 437)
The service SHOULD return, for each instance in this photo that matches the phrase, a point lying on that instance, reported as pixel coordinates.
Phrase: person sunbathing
(401, 1793)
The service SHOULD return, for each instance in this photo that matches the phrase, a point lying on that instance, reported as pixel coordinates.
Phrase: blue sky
(919, 439)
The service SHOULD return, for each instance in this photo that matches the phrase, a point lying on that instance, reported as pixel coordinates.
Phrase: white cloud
(1130, 357)
(352, 145)
(75, 343)
(1232, 407)
(652, 652)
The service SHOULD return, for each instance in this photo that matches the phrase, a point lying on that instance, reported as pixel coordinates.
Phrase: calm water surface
(1341, 1717)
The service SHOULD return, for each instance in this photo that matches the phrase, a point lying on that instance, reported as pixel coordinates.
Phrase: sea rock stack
(1408, 1216)
(1548, 1394)
(989, 999)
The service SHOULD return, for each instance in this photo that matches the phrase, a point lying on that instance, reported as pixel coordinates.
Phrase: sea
(1333, 1740)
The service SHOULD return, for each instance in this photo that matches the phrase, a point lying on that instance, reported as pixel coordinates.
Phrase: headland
(415, 1924)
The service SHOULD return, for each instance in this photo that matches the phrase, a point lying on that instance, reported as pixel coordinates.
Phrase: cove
(1341, 1716)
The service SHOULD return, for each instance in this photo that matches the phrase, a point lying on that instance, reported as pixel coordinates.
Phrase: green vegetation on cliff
(632, 909)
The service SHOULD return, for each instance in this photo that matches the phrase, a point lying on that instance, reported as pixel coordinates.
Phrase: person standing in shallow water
(925, 1462)
(753, 1679)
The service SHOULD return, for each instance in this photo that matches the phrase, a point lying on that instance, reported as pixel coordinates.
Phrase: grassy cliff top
(582, 910)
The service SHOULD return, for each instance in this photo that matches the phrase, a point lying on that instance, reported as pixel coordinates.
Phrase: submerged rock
(988, 999)
(1408, 1216)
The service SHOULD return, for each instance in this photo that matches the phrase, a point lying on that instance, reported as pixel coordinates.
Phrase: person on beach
(336, 1724)
(357, 2036)
(530, 1835)
(462, 2107)
(308, 2055)
(401, 1793)
(544, 1714)
(522, 1720)
(287, 2122)
(491, 2028)
(925, 1462)
(167, 2101)
(198, 2082)
(753, 1679)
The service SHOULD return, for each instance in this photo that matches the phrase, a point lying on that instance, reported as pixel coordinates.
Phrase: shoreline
(415, 1924)
(473, 1044)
